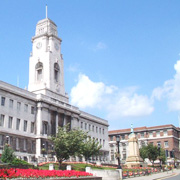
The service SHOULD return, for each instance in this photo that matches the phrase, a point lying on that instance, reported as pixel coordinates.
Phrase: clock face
(56, 46)
(38, 45)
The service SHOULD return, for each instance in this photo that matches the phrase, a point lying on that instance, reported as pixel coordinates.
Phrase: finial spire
(132, 130)
(46, 11)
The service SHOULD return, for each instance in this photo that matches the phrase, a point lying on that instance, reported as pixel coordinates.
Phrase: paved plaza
(158, 175)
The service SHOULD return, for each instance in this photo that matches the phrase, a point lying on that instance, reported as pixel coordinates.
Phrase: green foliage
(68, 143)
(7, 154)
(162, 156)
(91, 147)
(18, 162)
(152, 153)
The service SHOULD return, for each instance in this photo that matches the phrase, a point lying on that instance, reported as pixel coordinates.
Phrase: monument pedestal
(133, 159)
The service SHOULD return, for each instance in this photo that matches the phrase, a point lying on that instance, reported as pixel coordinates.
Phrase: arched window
(56, 72)
(39, 71)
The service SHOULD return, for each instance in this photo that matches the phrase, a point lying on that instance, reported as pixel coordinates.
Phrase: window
(93, 128)
(11, 103)
(97, 129)
(32, 110)
(25, 125)
(85, 125)
(1, 140)
(142, 135)
(10, 122)
(103, 131)
(25, 108)
(112, 155)
(82, 125)
(103, 143)
(56, 72)
(123, 137)
(2, 120)
(18, 106)
(25, 144)
(166, 145)
(17, 124)
(100, 142)
(45, 128)
(17, 143)
(150, 134)
(165, 133)
(124, 156)
(111, 138)
(158, 144)
(2, 101)
(89, 127)
(157, 133)
(39, 71)
(32, 127)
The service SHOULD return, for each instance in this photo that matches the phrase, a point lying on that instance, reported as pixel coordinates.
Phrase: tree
(150, 152)
(91, 147)
(7, 154)
(68, 143)
(162, 156)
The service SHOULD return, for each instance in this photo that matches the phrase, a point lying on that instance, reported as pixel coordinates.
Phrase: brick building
(165, 136)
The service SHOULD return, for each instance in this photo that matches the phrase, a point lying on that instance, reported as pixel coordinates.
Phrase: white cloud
(170, 90)
(74, 68)
(100, 46)
(115, 102)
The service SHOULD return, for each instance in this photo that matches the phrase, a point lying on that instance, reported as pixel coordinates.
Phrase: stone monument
(133, 159)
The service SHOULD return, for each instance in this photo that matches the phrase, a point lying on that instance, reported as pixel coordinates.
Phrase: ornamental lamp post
(118, 155)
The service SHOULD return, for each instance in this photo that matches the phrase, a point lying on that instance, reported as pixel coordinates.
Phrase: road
(176, 177)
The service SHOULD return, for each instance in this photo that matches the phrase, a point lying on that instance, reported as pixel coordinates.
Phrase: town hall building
(28, 117)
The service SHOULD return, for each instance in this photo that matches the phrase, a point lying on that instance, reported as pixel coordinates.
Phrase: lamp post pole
(118, 157)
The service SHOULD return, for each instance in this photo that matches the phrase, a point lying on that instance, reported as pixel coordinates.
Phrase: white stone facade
(28, 117)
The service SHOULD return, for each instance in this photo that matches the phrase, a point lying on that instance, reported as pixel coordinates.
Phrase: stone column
(57, 119)
(38, 147)
(39, 119)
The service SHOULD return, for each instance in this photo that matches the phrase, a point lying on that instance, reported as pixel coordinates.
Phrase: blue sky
(120, 57)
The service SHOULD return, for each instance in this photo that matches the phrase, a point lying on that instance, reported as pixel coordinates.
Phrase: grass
(78, 167)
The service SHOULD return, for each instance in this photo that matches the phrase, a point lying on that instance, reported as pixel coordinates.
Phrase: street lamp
(118, 155)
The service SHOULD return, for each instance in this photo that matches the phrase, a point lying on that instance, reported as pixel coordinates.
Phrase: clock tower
(46, 72)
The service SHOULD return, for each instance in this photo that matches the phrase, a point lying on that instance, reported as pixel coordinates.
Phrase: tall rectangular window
(93, 128)
(11, 103)
(32, 110)
(25, 125)
(165, 132)
(25, 144)
(18, 106)
(157, 133)
(25, 108)
(103, 131)
(2, 101)
(32, 127)
(81, 125)
(17, 124)
(166, 145)
(2, 120)
(1, 140)
(17, 143)
(89, 127)
(85, 125)
(10, 122)
(97, 129)
(45, 128)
